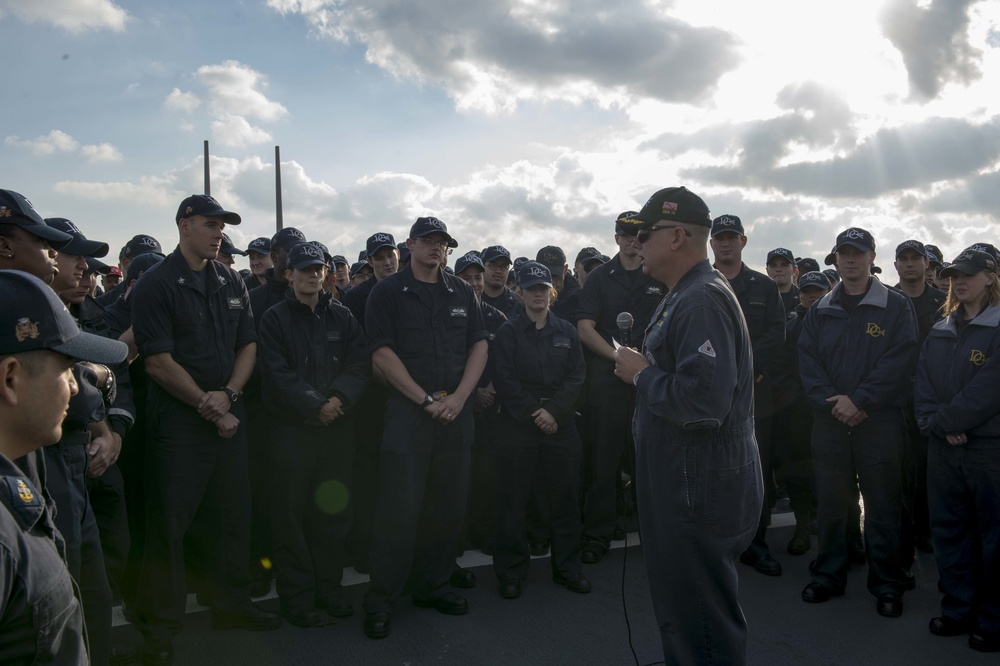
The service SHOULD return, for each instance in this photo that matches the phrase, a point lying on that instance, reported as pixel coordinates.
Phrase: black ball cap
(80, 246)
(469, 259)
(229, 248)
(142, 244)
(425, 226)
(34, 318)
(16, 209)
(675, 204)
(203, 204)
(260, 245)
(552, 257)
(304, 255)
(377, 241)
(970, 262)
(727, 224)
(140, 265)
(286, 238)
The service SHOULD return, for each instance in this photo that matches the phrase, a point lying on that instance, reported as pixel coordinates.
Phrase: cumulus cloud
(237, 132)
(58, 141)
(102, 152)
(233, 93)
(55, 141)
(933, 40)
(156, 191)
(492, 56)
(235, 89)
(71, 15)
(182, 101)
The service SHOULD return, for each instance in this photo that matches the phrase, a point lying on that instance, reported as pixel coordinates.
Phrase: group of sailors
(312, 414)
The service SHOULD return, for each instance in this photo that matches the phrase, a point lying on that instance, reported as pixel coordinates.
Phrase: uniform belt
(78, 438)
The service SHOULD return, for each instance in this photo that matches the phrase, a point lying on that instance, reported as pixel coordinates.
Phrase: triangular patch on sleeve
(707, 349)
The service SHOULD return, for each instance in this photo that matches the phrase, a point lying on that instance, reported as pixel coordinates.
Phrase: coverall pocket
(733, 499)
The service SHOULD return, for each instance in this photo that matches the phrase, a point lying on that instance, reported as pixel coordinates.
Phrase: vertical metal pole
(208, 177)
(277, 188)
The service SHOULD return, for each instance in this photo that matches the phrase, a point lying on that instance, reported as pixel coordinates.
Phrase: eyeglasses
(498, 265)
(643, 234)
(436, 243)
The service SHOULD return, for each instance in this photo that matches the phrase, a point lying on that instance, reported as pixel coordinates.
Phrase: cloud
(102, 152)
(934, 43)
(58, 141)
(236, 132)
(235, 89)
(972, 196)
(71, 15)
(909, 156)
(492, 56)
(233, 92)
(182, 101)
(155, 191)
(55, 141)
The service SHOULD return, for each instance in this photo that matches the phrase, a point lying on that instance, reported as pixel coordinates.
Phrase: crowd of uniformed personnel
(309, 414)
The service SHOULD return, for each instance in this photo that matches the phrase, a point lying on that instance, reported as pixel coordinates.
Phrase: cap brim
(452, 243)
(96, 266)
(955, 269)
(232, 250)
(94, 349)
(533, 282)
(82, 247)
(831, 259)
(57, 239)
(725, 230)
(312, 261)
(227, 216)
(379, 247)
(855, 245)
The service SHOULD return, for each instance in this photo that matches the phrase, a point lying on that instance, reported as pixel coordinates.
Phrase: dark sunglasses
(643, 234)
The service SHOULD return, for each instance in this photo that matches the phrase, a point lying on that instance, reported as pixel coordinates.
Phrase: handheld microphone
(625, 322)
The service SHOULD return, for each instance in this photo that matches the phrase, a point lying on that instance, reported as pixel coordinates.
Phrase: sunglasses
(643, 234)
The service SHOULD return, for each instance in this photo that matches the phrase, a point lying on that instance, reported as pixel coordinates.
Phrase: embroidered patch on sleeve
(707, 349)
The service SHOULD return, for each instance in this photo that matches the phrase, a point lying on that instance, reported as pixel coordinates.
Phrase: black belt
(78, 438)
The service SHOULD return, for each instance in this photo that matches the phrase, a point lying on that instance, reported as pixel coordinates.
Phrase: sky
(517, 122)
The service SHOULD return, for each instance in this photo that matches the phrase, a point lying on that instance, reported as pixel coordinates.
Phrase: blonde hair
(952, 303)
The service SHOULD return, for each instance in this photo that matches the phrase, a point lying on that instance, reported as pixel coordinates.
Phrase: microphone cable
(629, 506)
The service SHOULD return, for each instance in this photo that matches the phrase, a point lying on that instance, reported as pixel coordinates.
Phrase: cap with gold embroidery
(34, 318)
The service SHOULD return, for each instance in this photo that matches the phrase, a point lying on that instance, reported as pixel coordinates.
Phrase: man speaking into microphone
(698, 478)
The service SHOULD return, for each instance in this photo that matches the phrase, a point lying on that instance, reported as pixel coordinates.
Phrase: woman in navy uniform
(538, 375)
(958, 407)
(314, 369)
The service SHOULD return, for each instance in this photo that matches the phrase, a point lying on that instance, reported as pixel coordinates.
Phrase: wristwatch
(428, 400)
(233, 395)
(109, 390)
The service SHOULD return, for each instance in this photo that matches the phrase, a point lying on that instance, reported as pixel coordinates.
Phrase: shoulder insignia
(21, 492)
(707, 349)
